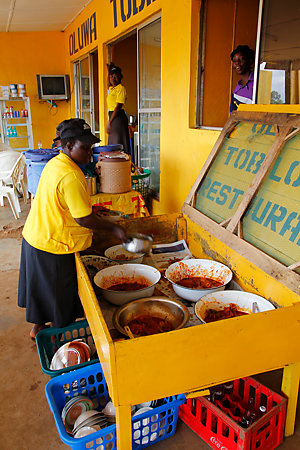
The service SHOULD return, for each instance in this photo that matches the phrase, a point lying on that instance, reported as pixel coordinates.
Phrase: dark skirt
(48, 287)
(119, 133)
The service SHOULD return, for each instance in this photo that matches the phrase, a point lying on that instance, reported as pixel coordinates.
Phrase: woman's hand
(119, 232)
(108, 128)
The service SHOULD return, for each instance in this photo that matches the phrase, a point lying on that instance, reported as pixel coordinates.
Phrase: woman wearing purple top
(243, 60)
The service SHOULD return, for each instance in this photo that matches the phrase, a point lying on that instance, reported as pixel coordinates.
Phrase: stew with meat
(199, 283)
(229, 311)
(129, 286)
(146, 325)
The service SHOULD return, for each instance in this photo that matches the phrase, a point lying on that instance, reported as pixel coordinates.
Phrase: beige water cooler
(115, 175)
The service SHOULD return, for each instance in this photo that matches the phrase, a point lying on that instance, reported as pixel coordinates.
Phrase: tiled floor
(26, 421)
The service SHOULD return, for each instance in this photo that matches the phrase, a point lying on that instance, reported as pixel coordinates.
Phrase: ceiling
(38, 15)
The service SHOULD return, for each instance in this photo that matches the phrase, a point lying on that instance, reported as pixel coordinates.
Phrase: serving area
(192, 359)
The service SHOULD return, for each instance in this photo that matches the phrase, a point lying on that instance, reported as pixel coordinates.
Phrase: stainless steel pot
(91, 185)
(162, 307)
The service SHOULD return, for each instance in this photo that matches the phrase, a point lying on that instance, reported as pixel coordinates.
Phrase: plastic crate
(218, 427)
(50, 339)
(141, 183)
(90, 381)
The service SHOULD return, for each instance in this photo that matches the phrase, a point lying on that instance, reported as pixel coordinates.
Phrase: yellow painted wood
(123, 422)
(195, 358)
(101, 335)
(290, 387)
(195, 394)
(198, 357)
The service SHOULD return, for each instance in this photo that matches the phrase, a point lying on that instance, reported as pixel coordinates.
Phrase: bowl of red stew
(151, 315)
(227, 304)
(194, 278)
(122, 283)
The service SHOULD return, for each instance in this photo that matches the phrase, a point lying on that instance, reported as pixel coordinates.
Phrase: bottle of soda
(244, 422)
(219, 392)
(228, 388)
(250, 414)
(261, 411)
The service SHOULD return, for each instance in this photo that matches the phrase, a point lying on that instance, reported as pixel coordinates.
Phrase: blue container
(42, 154)
(50, 339)
(36, 172)
(90, 381)
(35, 162)
(107, 148)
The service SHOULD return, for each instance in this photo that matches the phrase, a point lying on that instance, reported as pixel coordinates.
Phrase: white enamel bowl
(126, 273)
(218, 300)
(119, 255)
(197, 268)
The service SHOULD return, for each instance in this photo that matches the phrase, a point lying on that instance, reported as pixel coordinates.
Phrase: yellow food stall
(242, 211)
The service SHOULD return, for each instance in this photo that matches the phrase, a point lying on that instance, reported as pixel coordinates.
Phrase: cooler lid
(248, 191)
(42, 154)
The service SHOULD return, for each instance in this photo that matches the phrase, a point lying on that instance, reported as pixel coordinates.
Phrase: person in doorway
(243, 61)
(117, 127)
(60, 223)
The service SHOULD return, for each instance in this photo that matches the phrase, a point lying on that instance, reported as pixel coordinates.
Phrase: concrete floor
(26, 421)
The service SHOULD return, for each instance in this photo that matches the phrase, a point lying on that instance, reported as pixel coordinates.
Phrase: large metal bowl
(162, 307)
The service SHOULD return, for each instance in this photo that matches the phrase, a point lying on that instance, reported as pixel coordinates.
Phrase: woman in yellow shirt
(60, 223)
(117, 127)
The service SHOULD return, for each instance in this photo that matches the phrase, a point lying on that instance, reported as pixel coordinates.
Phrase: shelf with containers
(16, 126)
(190, 360)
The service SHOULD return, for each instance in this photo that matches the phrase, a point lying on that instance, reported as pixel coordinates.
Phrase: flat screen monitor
(53, 87)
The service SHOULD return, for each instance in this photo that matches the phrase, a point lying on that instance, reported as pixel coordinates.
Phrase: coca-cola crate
(218, 425)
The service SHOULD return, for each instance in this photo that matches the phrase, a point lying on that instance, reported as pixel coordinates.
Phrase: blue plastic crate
(50, 339)
(147, 428)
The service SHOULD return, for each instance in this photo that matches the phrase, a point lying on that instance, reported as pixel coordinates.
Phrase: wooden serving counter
(192, 359)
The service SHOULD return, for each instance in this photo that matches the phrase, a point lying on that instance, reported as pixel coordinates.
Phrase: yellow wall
(23, 55)
(183, 149)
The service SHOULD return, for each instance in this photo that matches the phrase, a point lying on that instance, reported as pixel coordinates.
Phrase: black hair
(64, 141)
(117, 70)
(245, 50)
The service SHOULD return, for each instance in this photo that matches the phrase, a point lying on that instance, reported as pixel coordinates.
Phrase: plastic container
(147, 428)
(219, 427)
(141, 184)
(35, 163)
(107, 148)
(50, 339)
(115, 176)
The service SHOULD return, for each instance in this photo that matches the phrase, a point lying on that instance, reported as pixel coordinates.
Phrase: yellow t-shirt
(116, 95)
(61, 195)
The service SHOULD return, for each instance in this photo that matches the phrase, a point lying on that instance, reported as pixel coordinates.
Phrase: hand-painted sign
(272, 222)
(86, 34)
(127, 8)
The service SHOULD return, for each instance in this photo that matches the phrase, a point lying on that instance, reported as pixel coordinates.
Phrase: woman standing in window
(242, 60)
(117, 127)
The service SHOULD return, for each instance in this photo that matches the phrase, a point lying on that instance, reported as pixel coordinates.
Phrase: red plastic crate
(218, 427)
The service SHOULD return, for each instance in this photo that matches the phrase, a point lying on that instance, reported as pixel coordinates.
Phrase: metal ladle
(138, 243)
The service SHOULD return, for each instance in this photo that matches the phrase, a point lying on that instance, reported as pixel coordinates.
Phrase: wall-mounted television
(53, 87)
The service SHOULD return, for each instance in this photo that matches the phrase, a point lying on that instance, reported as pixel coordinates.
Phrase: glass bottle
(250, 415)
(261, 411)
(228, 388)
(219, 392)
(40, 144)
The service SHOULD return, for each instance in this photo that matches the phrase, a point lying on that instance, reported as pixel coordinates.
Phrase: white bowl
(126, 273)
(119, 255)
(197, 268)
(244, 300)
